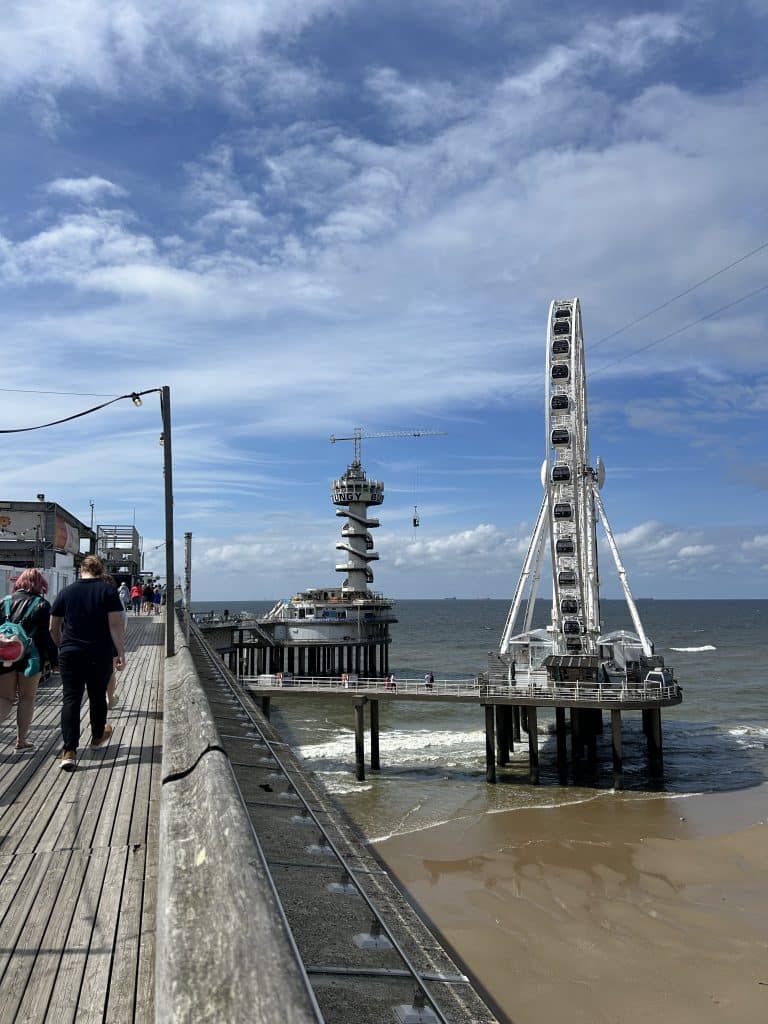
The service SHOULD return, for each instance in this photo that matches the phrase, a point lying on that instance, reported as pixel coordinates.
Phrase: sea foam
(694, 650)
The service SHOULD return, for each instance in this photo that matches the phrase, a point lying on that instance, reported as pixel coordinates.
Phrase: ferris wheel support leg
(622, 575)
(533, 547)
(538, 558)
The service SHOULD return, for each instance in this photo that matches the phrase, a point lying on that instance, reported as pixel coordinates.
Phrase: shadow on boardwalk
(78, 855)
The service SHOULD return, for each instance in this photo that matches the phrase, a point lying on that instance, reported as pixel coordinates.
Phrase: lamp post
(165, 440)
(165, 408)
(165, 411)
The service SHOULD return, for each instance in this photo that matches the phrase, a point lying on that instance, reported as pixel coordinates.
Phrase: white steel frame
(577, 494)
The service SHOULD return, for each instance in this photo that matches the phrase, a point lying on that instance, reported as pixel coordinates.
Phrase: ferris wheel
(567, 520)
(568, 482)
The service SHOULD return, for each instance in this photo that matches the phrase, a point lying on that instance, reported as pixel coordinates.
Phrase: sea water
(433, 753)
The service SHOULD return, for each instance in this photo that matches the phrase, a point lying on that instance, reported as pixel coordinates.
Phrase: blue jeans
(80, 671)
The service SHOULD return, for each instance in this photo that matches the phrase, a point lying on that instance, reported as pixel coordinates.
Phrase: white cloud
(696, 550)
(758, 543)
(75, 246)
(141, 46)
(416, 104)
(482, 547)
(649, 537)
(88, 190)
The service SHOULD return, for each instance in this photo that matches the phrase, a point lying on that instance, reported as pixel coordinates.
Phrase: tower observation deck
(354, 494)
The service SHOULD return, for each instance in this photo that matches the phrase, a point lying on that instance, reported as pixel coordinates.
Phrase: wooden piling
(360, 741)
(533, 744)
(655, 753)
(618, 761)
(562, 749)
(490, 745)
(517, 733)
(510, 726)
(265, 707)
(375, 763)
(502, 737)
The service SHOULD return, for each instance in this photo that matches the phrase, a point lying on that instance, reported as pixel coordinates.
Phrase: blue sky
(306, 216)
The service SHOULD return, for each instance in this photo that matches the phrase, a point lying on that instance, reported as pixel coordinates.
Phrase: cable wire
(680, 295)
(133, 395)
(666, 337)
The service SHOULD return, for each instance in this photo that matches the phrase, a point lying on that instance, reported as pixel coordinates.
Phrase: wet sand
(611, 911)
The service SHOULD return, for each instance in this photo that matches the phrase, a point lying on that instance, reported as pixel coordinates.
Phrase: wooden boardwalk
(78, 855)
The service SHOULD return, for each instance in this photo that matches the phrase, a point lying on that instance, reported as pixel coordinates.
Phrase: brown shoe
(68, 762)
(104, 738)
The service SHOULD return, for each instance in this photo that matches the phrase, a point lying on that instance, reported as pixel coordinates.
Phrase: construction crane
(358, 436)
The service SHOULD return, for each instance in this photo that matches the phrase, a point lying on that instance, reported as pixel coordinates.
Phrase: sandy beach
(615, 910)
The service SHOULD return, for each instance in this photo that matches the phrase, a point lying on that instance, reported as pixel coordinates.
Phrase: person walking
(137, 596)
(157, 597)
(87, 628)
(148, 594)
(28, 608)
(125, 595)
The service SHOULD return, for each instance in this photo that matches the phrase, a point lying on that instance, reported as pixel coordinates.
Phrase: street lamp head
(136, 399)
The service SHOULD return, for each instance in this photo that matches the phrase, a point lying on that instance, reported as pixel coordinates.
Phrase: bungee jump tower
(329, 632)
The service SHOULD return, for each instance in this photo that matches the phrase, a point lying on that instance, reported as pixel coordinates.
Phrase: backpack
(15, 644)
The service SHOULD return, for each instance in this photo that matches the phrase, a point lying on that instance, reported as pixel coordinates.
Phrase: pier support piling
(652, 730)
(360, 741)
(562, 750)
(265, 707)
(490, 745)
(516, 714)
(502, 737)
(533, 744)
(375, 763)
(618, 761)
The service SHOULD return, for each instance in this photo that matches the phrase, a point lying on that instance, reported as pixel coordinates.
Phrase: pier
(508, 711)
(189, 870)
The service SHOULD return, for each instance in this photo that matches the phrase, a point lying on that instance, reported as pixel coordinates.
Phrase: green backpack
(15, 643)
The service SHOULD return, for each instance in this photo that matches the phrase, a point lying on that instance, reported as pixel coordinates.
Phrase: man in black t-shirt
(87, 626)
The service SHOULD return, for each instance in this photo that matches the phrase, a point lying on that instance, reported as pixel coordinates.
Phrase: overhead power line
(680, 295)
(38, 391)
(707, 316)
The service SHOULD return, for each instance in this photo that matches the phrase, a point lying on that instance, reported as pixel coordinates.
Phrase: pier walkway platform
(79, 853)
(191, 872)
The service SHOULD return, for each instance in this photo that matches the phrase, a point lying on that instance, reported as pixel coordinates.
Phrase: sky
(308, 215)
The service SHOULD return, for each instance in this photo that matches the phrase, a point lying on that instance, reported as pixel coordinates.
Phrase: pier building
(41, 533)
(325, 632)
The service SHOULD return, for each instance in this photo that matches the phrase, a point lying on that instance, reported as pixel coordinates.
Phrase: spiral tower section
(569, 480)
(353, 494)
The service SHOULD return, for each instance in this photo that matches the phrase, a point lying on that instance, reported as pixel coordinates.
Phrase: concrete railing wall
(223, 950)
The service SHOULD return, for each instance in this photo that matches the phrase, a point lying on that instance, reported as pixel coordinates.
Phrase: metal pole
(187, 582)
(165, 408)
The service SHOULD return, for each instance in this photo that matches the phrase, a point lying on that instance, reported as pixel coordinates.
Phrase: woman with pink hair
(27, 607)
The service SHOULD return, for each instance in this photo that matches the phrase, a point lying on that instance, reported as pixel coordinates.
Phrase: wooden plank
(149, 768)
(30, 817)
(63, 1005)
(145, 975)
(27, 983)
(109, 827)
(121, 988)
(73, 891)
(103, 949)
(28, 880)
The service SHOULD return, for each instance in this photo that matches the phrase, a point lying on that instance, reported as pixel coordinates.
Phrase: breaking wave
(694, 650)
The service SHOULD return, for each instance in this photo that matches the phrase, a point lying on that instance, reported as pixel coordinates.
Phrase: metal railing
(540, 689)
